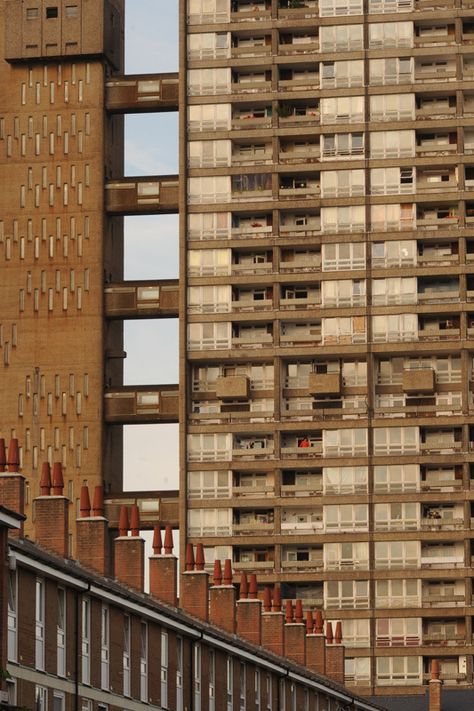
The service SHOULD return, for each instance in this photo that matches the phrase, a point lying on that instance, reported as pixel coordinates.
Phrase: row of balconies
(251, 11)
(311, 40)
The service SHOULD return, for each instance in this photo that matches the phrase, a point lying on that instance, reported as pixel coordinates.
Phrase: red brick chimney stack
(130, 551)
(222, 607)
(92, 532)
(295, 633)
(194, 584)
(163, 568)
(249, 611)
(315, 643)
(273, 623)
(51, 511)
(12, 483)
(335, 653)
(435, 687)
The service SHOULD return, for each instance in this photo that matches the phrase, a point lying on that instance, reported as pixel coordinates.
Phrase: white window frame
(61, 632)
(104, 647)
(40, 624)
(197, 676)
(144, 663)
(86, 641)
(164, 668)
(229, 684)
(126, 656)
(12, 616)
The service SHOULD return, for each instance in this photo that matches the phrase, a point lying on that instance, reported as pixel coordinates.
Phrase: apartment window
(337, 8)
(39, 624)
(41, 698)
(344, 443)
(345, 480)
(396, 516)
(341, 38)
(392, 181)
(398, 593)
(342, 183)
(395, 327)
(396, 440)
(126, 655)
(209, 299)
(242, 687)
(377, 6)
(392, 144)
(346, 594)
(230, 683)
(204, 336)
(179, 676)
(398, 671)
(397, 554)
(59, 701)
(86, 640)
(52, 12)
(72, 11)
(257, 690)
(343, 219)
(209, 82)
(104, 647)
(209, 190)
(346, 292)
(269, 691)
(346, 517)
(12, 616)
(396, 478)
(385, 35)
(144, 666)
(342, 74)
(392, 107)
(61, 633)
(164, 669)
(197, 676)
(32, 13)
(208, 11)
(392, 632)
(342, 109)
(212, 679)
(209, 154)
(394, 70)
(394, 290)
(396, 253)
(209, 117)
(346, 556)
(357, 670)
(209, 45)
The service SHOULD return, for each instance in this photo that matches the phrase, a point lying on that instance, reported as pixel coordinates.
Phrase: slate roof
(451, 700)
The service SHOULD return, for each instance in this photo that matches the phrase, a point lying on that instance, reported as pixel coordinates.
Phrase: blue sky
(151, 243)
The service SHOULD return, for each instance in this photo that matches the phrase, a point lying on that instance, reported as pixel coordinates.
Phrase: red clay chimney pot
(168, 544)
(98, 501)
(338, 633)
(45, 480)
(123, 522)
(13, 459)
(189, 557)
(309, 622)
(244, 588)
(57, 481)
(329, 634)
(227, 579)
(85, 502)
(253, 587)
(267, 599)
(200, 560)
(157, 543)
(289, 612)
(217, 579)
(299, 612)
(318, 622)
(276, 607)
(135, 520)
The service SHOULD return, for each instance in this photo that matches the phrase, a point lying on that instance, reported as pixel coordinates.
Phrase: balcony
(251, 86)
(308, 153)
(304, 565)
(253, 527)
(256, 231)
(249, 11)
(142, 93)
(233, 387)
(441, 524)
(252, 340)
(441, 562)
(443, 600)
(292, 452)
(251, 305)
(299, 302)
(294, 117)
(253, 565)
(306, 229)
(252, 118)
(255, 491)
(418, 380)
(249, 49)
(144, 299)
(300, 263)
(140, 405)
(302, 45)
(297, 9)
(135, 196)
